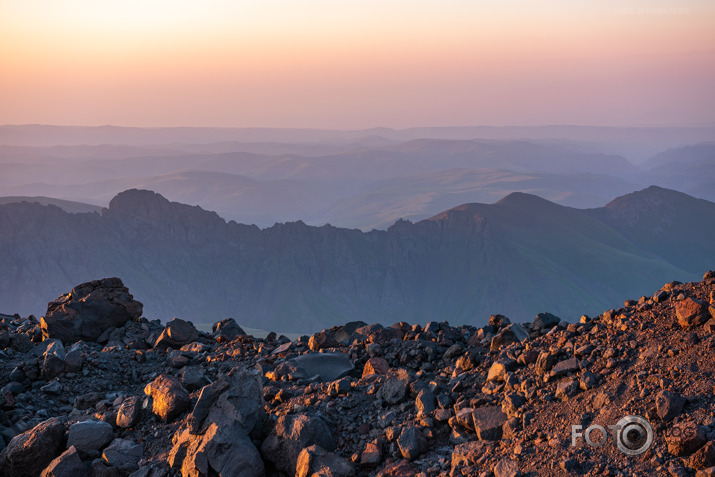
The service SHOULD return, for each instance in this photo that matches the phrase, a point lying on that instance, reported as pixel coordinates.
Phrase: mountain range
(519, 256)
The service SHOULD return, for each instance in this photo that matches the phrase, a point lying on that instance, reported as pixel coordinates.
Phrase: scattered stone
(327, 366)
(545, 321)
(685, 438)
(129, 412)
(411, 442)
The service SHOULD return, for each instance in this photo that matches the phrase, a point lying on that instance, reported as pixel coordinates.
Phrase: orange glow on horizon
(349, 64)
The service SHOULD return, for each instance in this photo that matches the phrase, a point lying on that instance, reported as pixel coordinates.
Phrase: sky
(353, 64)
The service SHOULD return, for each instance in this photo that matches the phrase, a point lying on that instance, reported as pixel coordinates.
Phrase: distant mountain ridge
(519, 256)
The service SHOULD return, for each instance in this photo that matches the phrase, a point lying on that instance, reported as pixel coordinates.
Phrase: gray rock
(129, 412)
(514, 333)
(292, 434)
(216, 439)
(315, 459)
(488, 422)
(88, 436)
(53, 387)
(53, 361)
(565, 367)
(88, 310)
(227, 330)
(176, 334)
(30, 452)
(123, 454)
(425, 401)
(394, 389)
(68, 464)
(545, 321)
(411, 443)
(328, 366)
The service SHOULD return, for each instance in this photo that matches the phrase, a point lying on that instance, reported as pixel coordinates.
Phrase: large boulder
(88, 436)
(66, 465)
(30, 452)
(216, 437)
(168, 395)
(292, 434)
(88, 310)
(226, 330)
(176, 334)
(327, 366)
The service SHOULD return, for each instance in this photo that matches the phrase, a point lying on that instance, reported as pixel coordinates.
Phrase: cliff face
(520, 256)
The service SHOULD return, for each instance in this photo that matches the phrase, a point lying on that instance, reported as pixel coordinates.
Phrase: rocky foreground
(95, 389)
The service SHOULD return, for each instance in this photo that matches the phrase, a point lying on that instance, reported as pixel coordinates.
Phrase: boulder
(227, 330)
(292, 434)
(545, 321)
(685, 438)
(488, 422)
(88, 310)
(394, 389)
(89, 436)
(215, 439)
(30, 452)
(514, 333)
(411, 443)
(691, 312)
(176, 334)
(129, 412)
(169, 397)
(668, 405)
(565, 367)
(53, 360)
(315, 459)
(327, 366)
(375, 365)
(124, 454)
(68, 464)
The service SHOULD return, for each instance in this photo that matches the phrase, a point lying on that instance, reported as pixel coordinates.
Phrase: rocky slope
(519, 257)
(137, 398)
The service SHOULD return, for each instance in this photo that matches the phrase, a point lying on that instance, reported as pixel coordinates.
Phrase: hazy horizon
(349, 65)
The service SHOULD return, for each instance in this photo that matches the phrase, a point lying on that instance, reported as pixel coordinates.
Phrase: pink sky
(357, 64)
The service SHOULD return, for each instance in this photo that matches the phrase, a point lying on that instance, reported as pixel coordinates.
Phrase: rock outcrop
(89, 310)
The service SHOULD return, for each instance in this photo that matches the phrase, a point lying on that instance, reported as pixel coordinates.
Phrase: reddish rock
(376, 365)
(66, 465)
(30, 452)
(691, 312)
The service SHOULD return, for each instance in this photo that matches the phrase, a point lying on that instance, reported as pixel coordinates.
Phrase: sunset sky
(357, 63)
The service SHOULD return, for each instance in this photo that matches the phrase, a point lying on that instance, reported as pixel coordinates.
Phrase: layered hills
(519, 256)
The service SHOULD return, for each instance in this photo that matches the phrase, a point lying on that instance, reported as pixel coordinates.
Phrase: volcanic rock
(290, 436)
(314, 460)
(176, 334)
(88, 310)
(68, 464)
(168, 395)
(30, 452)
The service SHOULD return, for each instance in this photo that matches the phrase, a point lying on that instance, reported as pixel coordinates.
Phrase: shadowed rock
(90, 309)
